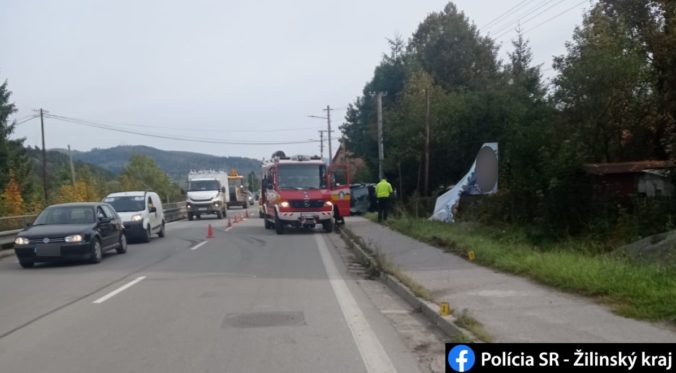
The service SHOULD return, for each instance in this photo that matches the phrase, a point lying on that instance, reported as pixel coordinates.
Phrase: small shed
(626, 179)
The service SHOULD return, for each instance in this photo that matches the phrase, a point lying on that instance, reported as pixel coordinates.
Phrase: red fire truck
(300, 192)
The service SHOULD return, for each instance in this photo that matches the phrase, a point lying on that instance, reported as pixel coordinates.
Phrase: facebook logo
(461, 358)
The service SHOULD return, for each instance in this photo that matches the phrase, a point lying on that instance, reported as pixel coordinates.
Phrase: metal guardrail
(11, 225)
(7, 238)
(172, 212)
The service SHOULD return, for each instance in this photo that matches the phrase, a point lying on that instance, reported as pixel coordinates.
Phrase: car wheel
(97, 253)
(161, 233)
(148, 235)
(225, 213)
(268, 225)
(199, 216)
(219, 214)
(122, 246)
(328, 226)
(190, 217)
(279, 227)
(26, 263)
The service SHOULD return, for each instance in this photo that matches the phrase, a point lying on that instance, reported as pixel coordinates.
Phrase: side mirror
(28, 224)
(153, 209)
(105, 220)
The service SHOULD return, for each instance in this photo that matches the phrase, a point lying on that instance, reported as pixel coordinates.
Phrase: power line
(25, 119)
(548, 19)
(117, 124)
(558, 15)
(506, 13)
(168, 137)
(524, 12)
(543, 11)
(518, 20)
(508, 29)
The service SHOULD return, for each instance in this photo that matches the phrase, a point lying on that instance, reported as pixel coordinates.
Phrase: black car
(362, 198)
(71, 231)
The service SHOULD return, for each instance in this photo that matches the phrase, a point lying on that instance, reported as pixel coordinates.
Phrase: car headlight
(216, 203)
(328, 203)
(73, 238)
(21, 241)
(284, 204)
(137, 217)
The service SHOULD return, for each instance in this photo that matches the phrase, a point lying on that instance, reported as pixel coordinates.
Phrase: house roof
(627, 167)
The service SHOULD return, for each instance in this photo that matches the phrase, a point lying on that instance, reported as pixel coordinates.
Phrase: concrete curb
(428, 309)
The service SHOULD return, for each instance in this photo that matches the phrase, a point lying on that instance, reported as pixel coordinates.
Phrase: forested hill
(175, 163)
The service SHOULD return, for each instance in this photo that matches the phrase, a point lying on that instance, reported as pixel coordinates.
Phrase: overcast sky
(222, 70)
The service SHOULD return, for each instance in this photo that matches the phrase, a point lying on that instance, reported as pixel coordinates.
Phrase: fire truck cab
(296, 193)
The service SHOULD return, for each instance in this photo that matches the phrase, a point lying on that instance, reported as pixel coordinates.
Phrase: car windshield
(127, 204)
(66, 215)
(203, 185)
(299, 177)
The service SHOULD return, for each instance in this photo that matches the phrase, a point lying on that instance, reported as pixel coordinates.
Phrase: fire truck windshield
(302, 176)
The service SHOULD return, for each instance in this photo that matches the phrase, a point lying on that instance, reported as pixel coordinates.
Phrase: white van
(141, 213)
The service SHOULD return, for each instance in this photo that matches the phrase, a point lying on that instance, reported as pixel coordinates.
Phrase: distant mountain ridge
(176, 164)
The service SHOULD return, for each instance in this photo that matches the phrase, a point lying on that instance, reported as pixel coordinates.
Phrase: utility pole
(381, 155)
(427, 142)
(44, 158)
(72, 169)
(321, 144)
(328, 122)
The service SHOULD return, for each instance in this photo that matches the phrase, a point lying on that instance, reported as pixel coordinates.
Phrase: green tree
(360, 128)
(604, 92)
(525, 147)
(450, 48)
(652, 23)
(12, 154)
(142, 173)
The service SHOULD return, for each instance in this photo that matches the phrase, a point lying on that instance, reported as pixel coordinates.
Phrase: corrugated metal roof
(626, 167)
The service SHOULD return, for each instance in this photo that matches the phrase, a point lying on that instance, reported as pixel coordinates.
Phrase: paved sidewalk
(511, 308)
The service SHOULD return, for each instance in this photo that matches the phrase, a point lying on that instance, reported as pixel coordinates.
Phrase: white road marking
(395, 312)
(118, 290)
(228, 228)
(372, 352)
(198, 245)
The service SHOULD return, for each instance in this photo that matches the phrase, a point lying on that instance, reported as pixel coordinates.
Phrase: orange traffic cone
(210, 232)
(229, 223)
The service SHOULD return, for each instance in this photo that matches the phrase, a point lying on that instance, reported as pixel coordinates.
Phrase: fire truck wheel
(279, 227)
(328, 226)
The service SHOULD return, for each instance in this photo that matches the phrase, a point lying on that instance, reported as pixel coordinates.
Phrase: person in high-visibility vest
(383, 192)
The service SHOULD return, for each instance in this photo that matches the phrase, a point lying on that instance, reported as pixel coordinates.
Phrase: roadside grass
(639, 290)
(465, 320)
(384, 265)
(417, 289)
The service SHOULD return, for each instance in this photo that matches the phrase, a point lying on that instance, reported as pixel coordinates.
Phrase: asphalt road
(246, 300)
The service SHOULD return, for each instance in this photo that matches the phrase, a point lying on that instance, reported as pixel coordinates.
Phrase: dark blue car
(71, 231)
